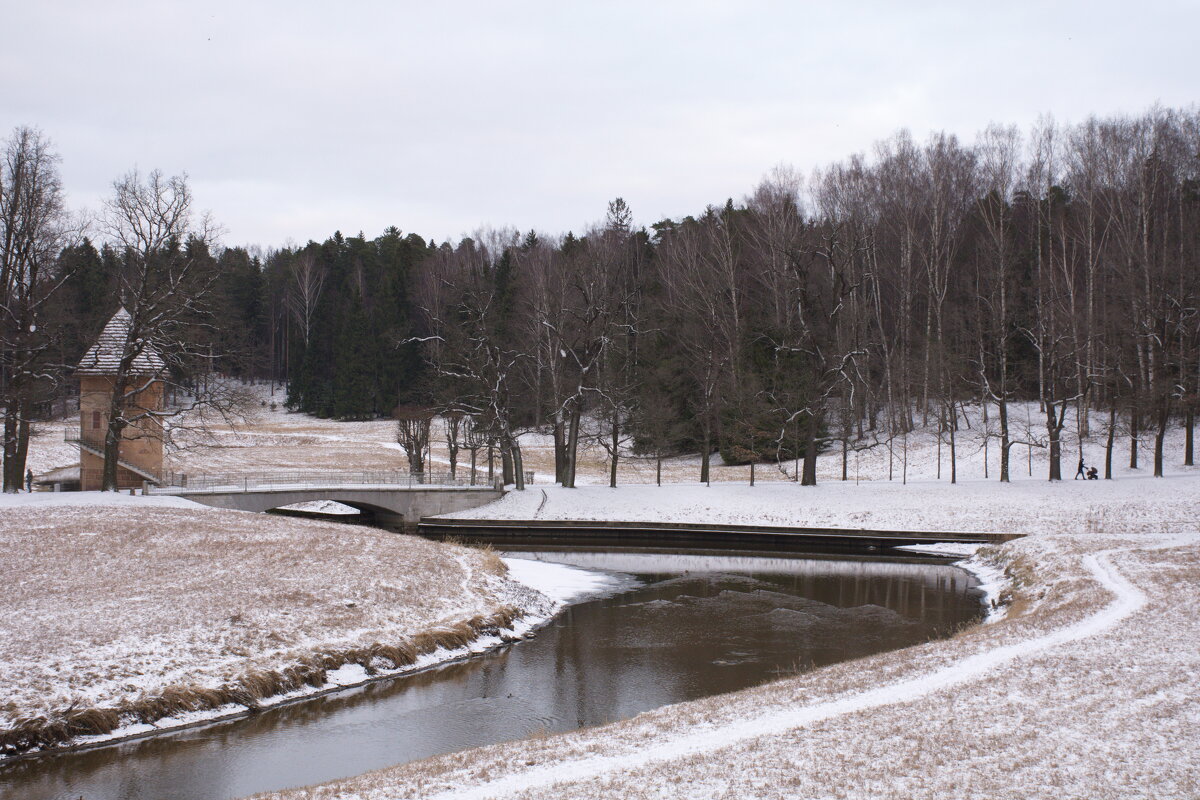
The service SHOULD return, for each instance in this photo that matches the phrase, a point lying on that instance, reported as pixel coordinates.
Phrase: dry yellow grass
(127, 614)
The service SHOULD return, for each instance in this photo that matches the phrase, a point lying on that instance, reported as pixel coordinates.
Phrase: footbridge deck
(391, 499)
(650, 534)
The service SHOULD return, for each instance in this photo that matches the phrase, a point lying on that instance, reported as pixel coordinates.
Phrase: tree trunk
(22, 441)
(706, 455)
(810, 453)
(845, 457)
(1189, 435)
(112, 448)
(1004, 441)
(953, 452)
(1112, 438)
(1054, 429)
(616, 440)
(1133, 438)
(12, 482)
(939, 449)
(572, 449)
(518, 465)
(560, 449)
(1164, 417)
(658, 470)
(506, 465)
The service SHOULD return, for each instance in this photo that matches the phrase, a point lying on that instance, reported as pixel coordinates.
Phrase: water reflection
(695, 626)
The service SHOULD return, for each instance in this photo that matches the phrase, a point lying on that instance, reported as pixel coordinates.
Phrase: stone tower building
(141, 449)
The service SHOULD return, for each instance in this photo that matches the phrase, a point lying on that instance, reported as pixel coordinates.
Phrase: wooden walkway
(648, 533)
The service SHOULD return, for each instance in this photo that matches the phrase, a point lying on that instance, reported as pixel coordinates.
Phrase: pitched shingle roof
(104, 357)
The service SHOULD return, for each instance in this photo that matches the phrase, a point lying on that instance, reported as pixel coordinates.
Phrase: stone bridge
(398, 505)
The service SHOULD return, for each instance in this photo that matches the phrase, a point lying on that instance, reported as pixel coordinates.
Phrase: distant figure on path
(1093, 474)
(29, 480)
(1082, 471)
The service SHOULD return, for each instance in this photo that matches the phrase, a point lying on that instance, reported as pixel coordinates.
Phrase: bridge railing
(180, 483)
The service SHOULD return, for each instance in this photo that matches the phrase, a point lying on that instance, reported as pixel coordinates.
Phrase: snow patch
(561, 583)
(322, 507)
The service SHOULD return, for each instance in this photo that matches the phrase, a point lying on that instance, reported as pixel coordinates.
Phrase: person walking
(1082, 471)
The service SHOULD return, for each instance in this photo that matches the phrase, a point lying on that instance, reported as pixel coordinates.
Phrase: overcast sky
(296, 119)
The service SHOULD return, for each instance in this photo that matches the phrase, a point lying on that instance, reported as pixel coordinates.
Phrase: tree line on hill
(886, 291)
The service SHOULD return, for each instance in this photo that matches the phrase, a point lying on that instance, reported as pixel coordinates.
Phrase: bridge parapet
(393, 500)
(184, 483)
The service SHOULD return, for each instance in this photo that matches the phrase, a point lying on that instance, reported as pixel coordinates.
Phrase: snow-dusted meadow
(272, 439)
(1085, 688)
(124, 615)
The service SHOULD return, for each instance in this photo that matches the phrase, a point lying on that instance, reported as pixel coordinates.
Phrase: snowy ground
(1141, 504)
(1086, 688)
(159, 612)
(275, 440)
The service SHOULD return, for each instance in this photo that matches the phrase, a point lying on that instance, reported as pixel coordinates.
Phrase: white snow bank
(561, 583)
(961, 549)
(322, 507)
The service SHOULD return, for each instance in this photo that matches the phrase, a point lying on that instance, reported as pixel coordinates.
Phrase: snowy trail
(1128, 600)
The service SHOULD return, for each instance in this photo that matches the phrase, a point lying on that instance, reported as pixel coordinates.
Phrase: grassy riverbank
(124, 614)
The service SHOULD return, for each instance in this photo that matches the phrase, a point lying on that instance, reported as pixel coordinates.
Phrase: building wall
(141, 443)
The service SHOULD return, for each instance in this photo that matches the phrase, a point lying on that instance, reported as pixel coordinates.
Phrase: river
(675, 626)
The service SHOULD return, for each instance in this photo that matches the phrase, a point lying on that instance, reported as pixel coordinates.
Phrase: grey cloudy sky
(295, 119)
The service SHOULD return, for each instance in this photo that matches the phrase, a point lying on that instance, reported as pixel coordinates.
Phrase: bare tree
(453, 425)
(33, 229)
(412, 432)
(164, 285)
(548, 278)
(614, 289)
(467, 298)
(304, 291)
(999, 156)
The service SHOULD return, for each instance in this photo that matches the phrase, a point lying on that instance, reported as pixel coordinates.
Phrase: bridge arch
(368, 513)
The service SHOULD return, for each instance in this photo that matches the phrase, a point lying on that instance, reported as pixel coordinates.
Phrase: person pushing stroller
(1086, 472)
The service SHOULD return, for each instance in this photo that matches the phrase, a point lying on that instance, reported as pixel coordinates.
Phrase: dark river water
(676, 627)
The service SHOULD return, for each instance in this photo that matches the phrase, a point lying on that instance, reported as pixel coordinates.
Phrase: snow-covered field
(275, 440)
(123, 614)
(1141, 504)
(1086, 687)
